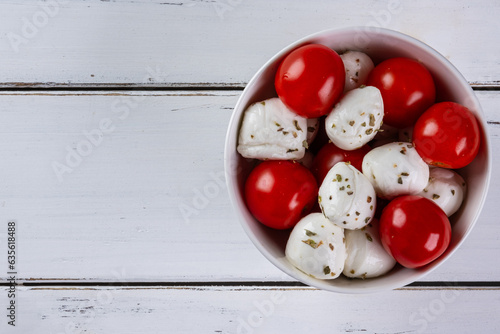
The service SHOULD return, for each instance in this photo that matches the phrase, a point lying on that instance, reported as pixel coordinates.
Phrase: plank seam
(132, 87)
(424, 284)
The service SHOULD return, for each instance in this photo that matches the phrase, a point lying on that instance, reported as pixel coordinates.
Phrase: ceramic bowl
(379, 44)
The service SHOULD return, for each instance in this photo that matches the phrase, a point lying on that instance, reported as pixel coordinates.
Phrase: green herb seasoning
(372, 120)
(310, 233)
(296, 124)
(311, 243)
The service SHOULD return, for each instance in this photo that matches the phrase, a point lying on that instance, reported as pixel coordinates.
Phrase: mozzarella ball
(347, 197)
(355, 120)
(358, 66)
(317, 247)
(446, 188)
(272, 131)
(312, 129)
(395, 169)
(366, 257)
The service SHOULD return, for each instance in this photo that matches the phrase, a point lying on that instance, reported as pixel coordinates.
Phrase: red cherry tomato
(310, 80)
(407, 90)
(447, 135)
(330, 154)
(414, 230)
(280, 193)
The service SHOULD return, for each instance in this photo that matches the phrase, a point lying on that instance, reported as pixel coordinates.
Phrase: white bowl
(379, 44)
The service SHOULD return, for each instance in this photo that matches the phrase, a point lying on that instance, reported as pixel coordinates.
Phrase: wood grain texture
(118, 215)
(186, 43)
(252, 310)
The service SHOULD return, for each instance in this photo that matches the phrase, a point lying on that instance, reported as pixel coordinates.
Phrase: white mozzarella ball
(312, 129)
(356, 118)
(366, 257)
(395, 169)
(272, 131)
(446, 188)
(358, 66)
(317, 247)
(347, 197)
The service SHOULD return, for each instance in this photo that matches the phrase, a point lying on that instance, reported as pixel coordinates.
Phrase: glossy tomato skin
(407, 90)
(310, 80)
(414, 230)
(330, 154)
(447, 135)
(279, 193)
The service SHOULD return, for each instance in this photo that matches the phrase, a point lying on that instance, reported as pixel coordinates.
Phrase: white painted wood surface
(116, 218)
(121, 209)
(243, 310)
(220, 42)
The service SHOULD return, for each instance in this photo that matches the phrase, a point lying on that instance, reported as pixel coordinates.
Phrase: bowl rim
(232, 186)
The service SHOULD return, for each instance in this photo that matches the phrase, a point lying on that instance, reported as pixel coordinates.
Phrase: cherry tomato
(407, 90)
(447, 135)
(279, 193)
(330, 154)
(414, 230)
(310, 80)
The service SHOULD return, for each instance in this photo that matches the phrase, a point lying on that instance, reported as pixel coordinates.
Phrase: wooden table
(113, 121)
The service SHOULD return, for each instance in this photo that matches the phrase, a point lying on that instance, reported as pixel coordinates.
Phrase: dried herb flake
(296, 124)
(310, 233)
(311, 243)
(372, 120)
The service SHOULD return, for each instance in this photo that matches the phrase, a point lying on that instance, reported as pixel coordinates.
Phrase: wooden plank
(184, 43)
(250, 310)
(120, 214)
